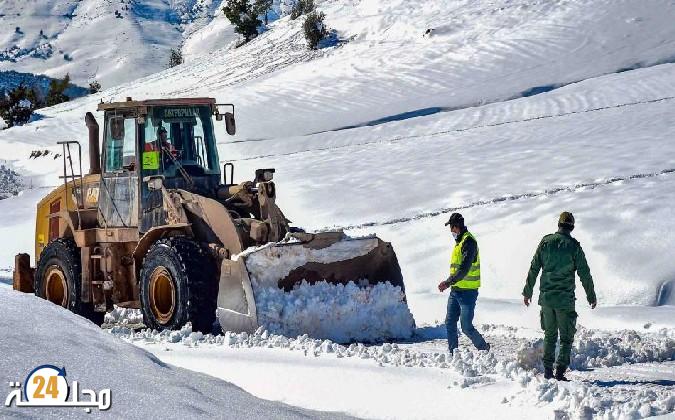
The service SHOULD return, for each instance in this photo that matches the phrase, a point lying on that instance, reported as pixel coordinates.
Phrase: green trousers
(554, 321)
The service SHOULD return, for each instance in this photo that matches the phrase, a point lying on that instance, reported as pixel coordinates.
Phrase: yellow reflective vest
(472, 279)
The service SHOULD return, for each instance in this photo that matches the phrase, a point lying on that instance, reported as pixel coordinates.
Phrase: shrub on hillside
(57, 89)
(315, 29)
(94, 86)
(176, 58)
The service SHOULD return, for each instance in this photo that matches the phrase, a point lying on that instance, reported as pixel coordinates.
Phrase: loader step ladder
(77, 193)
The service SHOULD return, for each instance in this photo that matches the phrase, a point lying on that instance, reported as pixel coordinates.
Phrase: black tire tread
(66, 254)
(198, 269)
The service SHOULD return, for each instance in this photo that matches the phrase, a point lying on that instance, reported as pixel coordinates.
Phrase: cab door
(118, 202)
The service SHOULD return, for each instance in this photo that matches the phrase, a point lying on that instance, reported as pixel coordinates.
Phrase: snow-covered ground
(142, 386)
(510, 112)
(420, 380)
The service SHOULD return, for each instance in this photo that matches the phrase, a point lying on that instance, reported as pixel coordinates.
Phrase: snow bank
(339, 312)
(594, 349)
(36, 332)
(583, 401)
(634, 347)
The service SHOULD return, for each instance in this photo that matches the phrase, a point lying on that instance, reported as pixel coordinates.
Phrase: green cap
(566, 220)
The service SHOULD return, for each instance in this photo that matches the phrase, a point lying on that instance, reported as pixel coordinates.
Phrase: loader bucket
(326, 285)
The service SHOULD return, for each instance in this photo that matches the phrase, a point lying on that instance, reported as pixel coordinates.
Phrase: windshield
(176, 136)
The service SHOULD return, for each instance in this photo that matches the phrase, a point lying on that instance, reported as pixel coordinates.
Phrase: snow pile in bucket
(338, 312)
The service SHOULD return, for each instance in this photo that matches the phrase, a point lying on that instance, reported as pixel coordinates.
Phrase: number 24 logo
(52, 386)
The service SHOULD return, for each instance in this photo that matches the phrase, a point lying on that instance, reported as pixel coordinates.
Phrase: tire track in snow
(503, 198)
(457, 130)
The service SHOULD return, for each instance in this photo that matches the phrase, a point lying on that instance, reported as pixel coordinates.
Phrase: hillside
(569, 140)
(109, 41)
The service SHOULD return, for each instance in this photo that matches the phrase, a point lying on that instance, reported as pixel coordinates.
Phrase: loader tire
(179, 284)
(58, 279)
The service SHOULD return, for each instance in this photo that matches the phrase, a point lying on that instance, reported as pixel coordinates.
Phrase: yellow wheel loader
(156, 225)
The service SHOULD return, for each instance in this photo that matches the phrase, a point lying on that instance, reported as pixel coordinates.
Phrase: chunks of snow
(123, 316)
(338, 312)
(594, 349)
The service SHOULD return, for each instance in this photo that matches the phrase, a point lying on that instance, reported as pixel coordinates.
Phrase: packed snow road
(618, 374)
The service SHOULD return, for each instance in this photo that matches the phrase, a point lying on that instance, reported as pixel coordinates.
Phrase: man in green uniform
(559, 256)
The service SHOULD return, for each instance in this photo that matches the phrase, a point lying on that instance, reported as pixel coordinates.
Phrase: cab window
(120, 149)
(179, 135)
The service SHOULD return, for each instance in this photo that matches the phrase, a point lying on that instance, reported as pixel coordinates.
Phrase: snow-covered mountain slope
(600, 148)
(35, 332)
(110, 41)
(478, 53)
(512, 161)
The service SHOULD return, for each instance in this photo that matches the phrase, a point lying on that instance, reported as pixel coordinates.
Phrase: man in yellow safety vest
(464, 282)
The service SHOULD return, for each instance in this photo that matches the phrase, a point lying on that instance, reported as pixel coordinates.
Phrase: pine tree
(57, 89)
(315, 30)
(17, 105)
(243, 15)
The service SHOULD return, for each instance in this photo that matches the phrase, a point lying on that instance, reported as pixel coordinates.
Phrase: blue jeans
(461, 305)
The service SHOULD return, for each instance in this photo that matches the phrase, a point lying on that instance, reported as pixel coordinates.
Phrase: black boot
(548, 373)
(560, 374)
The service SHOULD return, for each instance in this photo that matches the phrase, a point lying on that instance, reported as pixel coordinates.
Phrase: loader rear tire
(179, 284)
(58, 279)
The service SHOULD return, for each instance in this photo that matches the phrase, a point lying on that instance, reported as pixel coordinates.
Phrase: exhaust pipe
(94, 150)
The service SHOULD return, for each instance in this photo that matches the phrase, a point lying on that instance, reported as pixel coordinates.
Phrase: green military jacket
(559, 256)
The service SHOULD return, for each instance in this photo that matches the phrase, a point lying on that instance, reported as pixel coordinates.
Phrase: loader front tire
(58, 279)
(179, 284)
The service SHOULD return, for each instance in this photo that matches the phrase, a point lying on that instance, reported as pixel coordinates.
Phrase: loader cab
(168, 140)
(176, 141)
